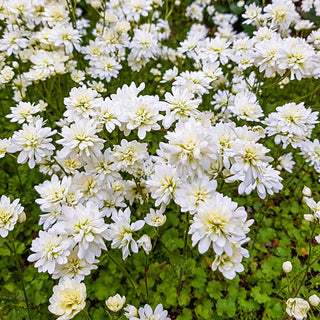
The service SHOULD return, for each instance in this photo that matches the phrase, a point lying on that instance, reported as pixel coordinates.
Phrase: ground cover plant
(159, 159)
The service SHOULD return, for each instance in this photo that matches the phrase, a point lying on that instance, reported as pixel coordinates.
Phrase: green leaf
(227, 307)
(214, 289)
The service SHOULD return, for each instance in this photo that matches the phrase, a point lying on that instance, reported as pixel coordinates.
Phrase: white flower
(190, 148)
(68, 299)
(23, 112)
(86, 226)
(4, 144)
(314, 206)
(116, 302)
(181, 104)
(311, 152)
(121, 232)
(53, 193)
(191, 195)
(107, 114)
(146, 313)
(298, 308)
(81, 103)
(220, 223)
(155, 218)
(33, 142)
(9, 214)
(298, 56)
(265, 56)
(49, 249)
(64, 34)
(163, 184)
(80, 140)
(282, 13)
(143, 114)
(129, 155)
(292, 123)
(246, 106)
(286, 162)
(229, 265)
(75, 267)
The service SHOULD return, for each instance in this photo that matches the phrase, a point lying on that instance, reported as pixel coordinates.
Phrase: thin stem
(308, 260)
(72, 13)
(109, 314)
(288, 284)
(146, 276)
(61, 167)
(292, 178)
(86, 314)
(158, 239)
(185, 247)
(297, 276)
(18, 174)
(123, 269)
(21, 277)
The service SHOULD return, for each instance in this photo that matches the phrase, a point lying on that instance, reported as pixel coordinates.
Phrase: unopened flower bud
(309, 217)
(22, 217)
(131, 311)
(115, 303)
(306, 191)
(145, 243)
(314, 300)
(287, 266)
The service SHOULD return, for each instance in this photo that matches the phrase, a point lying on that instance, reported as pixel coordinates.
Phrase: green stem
(146, 276)
(185, 248)
(288, 284)
(86, 314)
(308, 260)
(18, 174)
(294, 176)
(158, 239)
(72, 12)
(123, 269)
(306, 95)
(61, 167)
(20, 276)
(109, 314)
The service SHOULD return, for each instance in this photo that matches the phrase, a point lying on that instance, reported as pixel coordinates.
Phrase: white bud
(306, 191)
(308, 217)
(115, 303)
(145, 243)
(317, 238)
(131, 311)
(22, 217)
(287, 266)
(314, 300)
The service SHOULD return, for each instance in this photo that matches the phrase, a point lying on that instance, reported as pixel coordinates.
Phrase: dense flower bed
(166, 146)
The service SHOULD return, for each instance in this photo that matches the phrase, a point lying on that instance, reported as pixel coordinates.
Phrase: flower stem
(14, 251)
(184, 255)
(123, 269)
(308, 260)
(146, 276)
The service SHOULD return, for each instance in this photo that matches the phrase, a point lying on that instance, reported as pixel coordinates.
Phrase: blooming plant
(157, 156)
